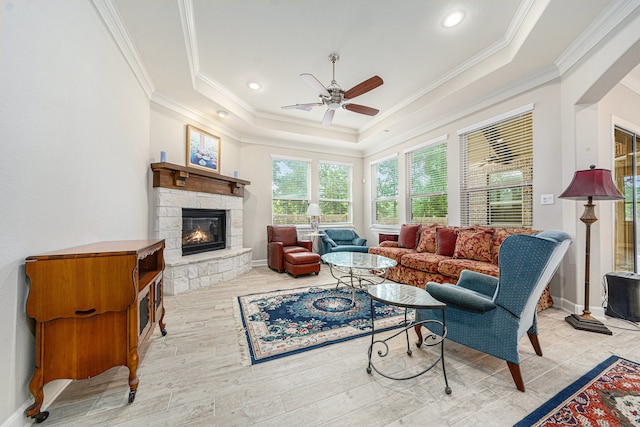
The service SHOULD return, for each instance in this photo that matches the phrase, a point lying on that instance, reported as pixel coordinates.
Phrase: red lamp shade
(596, 184)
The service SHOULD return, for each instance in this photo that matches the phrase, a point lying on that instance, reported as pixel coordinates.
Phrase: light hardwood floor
(199, 374)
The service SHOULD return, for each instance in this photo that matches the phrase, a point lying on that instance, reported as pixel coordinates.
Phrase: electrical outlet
(546, 199)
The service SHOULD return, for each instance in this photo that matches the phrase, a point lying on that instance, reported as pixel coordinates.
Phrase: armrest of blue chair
(329, 241)
(359, 241)
(478, 282)
(463, 298)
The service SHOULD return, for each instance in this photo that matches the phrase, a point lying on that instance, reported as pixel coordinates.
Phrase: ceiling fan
(334, 97)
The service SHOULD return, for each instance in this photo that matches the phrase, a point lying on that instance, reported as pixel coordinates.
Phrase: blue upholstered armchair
(342, 240)
(492, 314)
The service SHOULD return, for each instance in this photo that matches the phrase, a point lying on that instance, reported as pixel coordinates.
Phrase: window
(497, 171)
(335, 192)
(384, 176)
(626, 174)
(289, 190)
(427, 166)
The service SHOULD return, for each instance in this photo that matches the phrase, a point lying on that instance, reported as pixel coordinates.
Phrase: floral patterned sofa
(435, 253)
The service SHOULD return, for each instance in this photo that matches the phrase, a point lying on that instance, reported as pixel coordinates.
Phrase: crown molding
(298, 146)
(193, 114)
(112, 20)
(531, 82)
(631, 84)
(185, 8)
(516, 25)
(602, 27)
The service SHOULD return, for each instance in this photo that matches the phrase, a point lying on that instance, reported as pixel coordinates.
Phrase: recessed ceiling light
(254, 86)
(222, 114)
(453, 19)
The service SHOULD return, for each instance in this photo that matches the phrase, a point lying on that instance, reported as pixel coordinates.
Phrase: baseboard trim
(51, 391)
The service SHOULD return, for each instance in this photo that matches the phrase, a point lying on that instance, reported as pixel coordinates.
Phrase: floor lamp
(592, 184)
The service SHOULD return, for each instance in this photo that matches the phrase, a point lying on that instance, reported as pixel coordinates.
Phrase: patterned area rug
(608, 395)
(290, 321)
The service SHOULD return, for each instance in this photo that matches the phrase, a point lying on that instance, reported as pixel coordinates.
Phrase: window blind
(427, 184)
(385, 180)
(335, 183)
(497, 173)
(289, 190)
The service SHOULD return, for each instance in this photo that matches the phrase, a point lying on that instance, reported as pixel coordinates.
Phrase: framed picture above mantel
(203, 150)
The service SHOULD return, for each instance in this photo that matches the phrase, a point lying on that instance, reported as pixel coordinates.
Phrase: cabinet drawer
(80, 287)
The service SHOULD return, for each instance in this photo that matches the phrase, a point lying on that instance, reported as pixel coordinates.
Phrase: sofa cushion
(445, 241)
(423, 261)
(474, 244)
(342, 236)
(389, 244)
(350, 248)
(453, 267)
(395, 254)
(427, 240)
(409, 234)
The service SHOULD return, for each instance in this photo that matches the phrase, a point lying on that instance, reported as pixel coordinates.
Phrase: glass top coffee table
(358, 270)
(407, 296)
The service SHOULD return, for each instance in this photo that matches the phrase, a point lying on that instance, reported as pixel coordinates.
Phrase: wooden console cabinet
(95, 306)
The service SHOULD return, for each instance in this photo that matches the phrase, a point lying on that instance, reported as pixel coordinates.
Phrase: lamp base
(587, 323)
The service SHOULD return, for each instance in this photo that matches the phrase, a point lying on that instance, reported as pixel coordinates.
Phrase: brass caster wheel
(132, 396)
(163, 331)
(447, 390)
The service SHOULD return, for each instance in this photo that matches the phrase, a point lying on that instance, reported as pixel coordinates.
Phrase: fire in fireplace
(203, 230)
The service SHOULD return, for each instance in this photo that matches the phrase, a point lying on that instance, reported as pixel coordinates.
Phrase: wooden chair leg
(535, 343)
(418, 329)
(516, 375)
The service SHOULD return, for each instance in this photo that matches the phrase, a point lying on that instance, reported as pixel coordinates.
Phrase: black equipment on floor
(623, 295)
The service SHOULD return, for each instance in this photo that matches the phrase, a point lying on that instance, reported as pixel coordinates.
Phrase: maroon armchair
(282, 240)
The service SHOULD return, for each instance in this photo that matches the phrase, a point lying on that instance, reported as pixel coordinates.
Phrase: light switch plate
(546, 199)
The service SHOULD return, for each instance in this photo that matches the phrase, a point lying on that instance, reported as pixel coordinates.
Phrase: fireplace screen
(203, 230)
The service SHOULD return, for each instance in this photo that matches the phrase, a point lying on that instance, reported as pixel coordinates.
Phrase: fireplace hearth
(203, 230)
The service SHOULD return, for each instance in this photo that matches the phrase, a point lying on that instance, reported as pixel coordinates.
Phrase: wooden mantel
(168, 175)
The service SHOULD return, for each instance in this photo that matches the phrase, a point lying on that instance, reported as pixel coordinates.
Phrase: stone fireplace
(177, 188)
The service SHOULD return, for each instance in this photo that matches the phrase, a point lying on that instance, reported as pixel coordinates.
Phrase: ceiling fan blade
(305, 107)
(356, 108)
(328, 117)
(315, 84)
(363, 87)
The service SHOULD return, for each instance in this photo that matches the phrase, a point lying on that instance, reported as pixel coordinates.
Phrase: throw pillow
(475, 245)
(427, 241)
(409, 236)
(445, 241)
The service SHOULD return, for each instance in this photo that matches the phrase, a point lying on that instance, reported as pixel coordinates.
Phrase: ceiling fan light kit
(334, 97)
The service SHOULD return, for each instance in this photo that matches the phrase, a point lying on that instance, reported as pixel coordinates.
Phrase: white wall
(169, 133)
(74, 126)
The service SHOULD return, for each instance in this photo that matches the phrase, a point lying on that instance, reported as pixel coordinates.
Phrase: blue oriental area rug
(285, 322)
